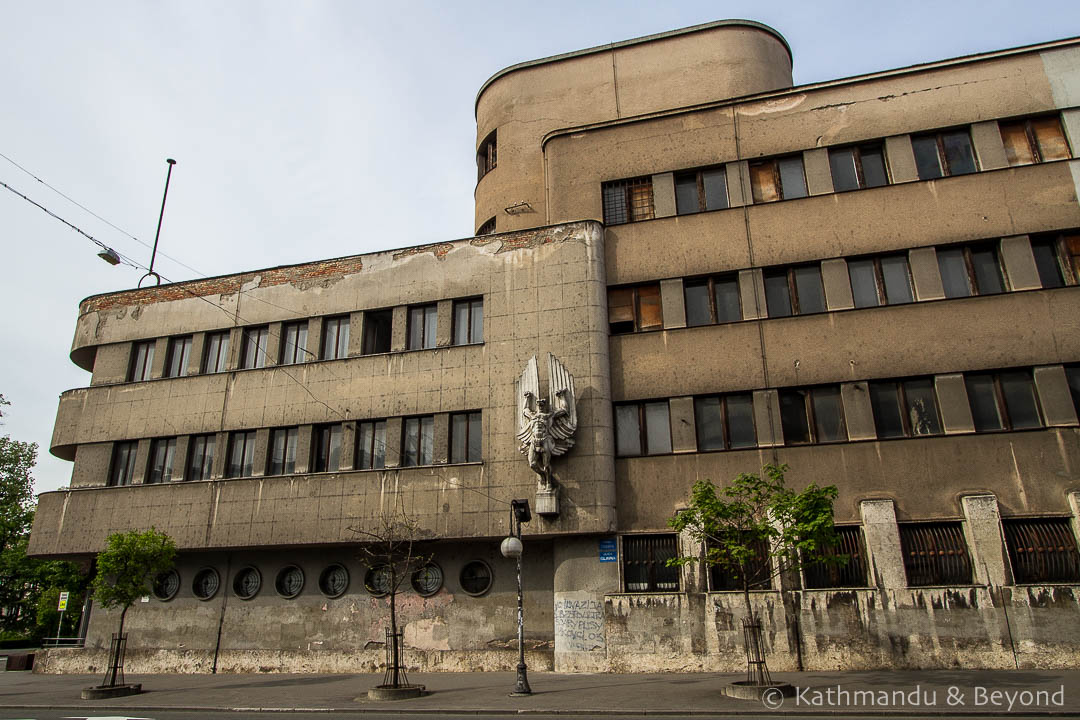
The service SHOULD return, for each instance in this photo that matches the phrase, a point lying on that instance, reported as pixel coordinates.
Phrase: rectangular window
(700, 190)
(905, 409)
(176, 359)
(725, 422)
(813, 415)
(935, 554)
(468, 321)
(645, 566)
(642, 429)
(281, 460)
(970, 270)
(862, 166)
(1057, 257)
(294, 343)
(253, 348)
(884, 280)
(216, 352)
(371, 445)
(326, 456)
(487, 156)
(1034, 140)
(465, 437)
(712, 300)
(849, 573)
(241, 454)
(1042, 550)
(423, 321)
(418, 441)
(794, 291)
(1072, 374)
(943, 154)
(200, 457)
(628, 200)
(377, 331)
(1003, 401)
(335, 339)
(142, 360)
(122, 468)
(724, 577)
(778, 179)
(162, 452)
(634, 309)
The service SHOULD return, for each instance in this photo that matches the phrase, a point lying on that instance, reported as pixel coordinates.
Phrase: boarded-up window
(778, 179)
(935, 554)
(1034, 140)
(635, 309)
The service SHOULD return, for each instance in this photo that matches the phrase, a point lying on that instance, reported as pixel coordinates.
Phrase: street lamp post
(511, 548)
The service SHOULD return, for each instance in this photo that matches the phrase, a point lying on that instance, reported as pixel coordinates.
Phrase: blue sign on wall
(609, 551)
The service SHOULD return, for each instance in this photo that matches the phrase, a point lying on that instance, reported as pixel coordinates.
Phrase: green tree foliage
(128, 566)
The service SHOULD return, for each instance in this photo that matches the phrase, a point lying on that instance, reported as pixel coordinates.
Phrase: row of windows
(417, 448)
(422, 324)
(864, 165)
(999, 401)
(1040, 550)
(875, 280)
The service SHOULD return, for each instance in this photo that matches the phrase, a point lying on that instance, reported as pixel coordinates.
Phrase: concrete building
(872, 279)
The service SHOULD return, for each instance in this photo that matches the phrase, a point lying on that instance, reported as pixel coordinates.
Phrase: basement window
(700, 191)
(642, 429)
(860, 166)
(907, 408)
(142, 360)
(635, 309)
(1042, 550)
(725, 422)
(176, 359)
(884, 280)
(712, 300)
(1034, 140)
(645, 563)
(851, 572)
(934, 554)
(943, 154)
(726, 578)
(794, 291)
(628, 200)
(778, 179)
(971, 270)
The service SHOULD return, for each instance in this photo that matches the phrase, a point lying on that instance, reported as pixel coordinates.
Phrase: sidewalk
(925, 693)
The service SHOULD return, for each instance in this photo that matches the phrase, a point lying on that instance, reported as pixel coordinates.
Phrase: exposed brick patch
(439, 250)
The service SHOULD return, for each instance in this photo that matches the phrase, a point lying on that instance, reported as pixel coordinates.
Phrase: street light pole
(512, 548)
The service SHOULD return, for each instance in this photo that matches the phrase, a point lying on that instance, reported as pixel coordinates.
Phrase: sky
(308, 130)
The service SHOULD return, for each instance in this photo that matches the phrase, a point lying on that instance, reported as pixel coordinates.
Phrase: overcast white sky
(305, 130)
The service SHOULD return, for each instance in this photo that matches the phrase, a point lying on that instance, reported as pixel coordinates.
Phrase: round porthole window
(476, 577)
(290, 581)
(247, 582)
(334, 581)
(377, 580)
(166, 585)
(206, 583)
(427, 580)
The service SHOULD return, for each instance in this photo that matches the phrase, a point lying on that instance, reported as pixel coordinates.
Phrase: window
(778, 179)
(884, 280)
(241, 454)
(970, 270)
(216, 353)
(634, 309)
(850, 573)
(488, 228)
(725, 421)
(377, 331)
(723, 577)
(423, 321)
(162, 452)
(465, 437)
(628, 200)
(371, 445)
(645, 563)
(282, 456)
(200, 457)
(794, 291)
(642, 429)
(905, 409)
(934, 554)
(468, 321)
(294, 343)
(712, 300)
(943, 154)
(1057, 258)
(1034, 140)
(176, 359)
(862, 166)
(1072, 374)
(1003, 400)
(142, 360)
(418, 441)
(122, 469)
(487, 156)
(700, 190)
(1042, 550)
(335, 339)
(253, 347)
(812, 416)
(327, 451)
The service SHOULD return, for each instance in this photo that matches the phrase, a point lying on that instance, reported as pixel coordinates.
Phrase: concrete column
(818, 171)
(982, 531)
(304, 445)
(1020, 263)
(179, 465)
(926, 274)
(767, 418)
(111, 363)
(837, 282)
(273, 344)
(683, 428)
(953, 401)
(663, 192)
(236, 341)
(161, 350)
(885, 560)
(198, 345)
(693, 578)
(262, 451)
(314, 338)
(858, 413)
(901, 159)
(673, 303)
(356, 333)
(752, 294)
(580, 582)
(400, 329)
(1054, 396)
(444, 323)
(736, 196)
(142, 461)
(393, 437)
(221, 456)
(1070, 123)
(989, 149)
(441, 448)
(92, 464)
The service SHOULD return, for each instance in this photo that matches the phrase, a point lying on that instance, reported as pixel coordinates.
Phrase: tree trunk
(395, 660)
(117, 657)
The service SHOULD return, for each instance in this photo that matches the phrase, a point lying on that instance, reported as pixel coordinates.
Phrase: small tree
(758, 528)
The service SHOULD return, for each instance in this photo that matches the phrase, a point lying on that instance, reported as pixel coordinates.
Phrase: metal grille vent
(1042, 550)
(247, 582)
(334, 581)
(851, 573)
(290, 581)
(166, 585)
(935, 554)
(206, 583)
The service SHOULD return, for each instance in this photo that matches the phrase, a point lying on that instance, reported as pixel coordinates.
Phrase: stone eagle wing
(563, 404)
(528, 390)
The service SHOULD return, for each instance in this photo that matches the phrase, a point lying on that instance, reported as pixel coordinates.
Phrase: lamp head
(511, 548)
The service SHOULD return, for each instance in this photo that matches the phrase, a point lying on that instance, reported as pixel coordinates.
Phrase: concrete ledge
(103, 692)
(772, 695)
(385, 692)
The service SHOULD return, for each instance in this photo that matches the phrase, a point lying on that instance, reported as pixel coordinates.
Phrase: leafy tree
(758, 528)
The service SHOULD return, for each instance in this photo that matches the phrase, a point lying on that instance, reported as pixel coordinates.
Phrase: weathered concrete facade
(702, 245)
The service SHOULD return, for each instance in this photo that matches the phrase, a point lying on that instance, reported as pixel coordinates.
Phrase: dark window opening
(371, 445)
(935, 554)
(970, 270)
(813, 415)
(378, 325)
(645, 563)
(794, 291)
(327, 451)
(635, 309)
(200, 457)
(488, 228)
(725, 422)
(700, 190)
(162, 453)
(1003, 401)
(122, 468)
(943, 154)
(1042, 550)
(851, 572)
(487, 155)
(907, 408)
(884, 280)
(418, 441)
(628, 200)
(724, 577)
